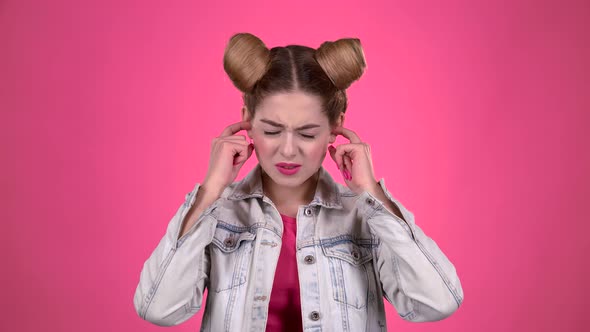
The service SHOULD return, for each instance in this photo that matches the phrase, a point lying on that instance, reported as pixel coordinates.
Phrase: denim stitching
(154, 287)
(440, 272)
(333, 278)
(407, 316)
(337, 276)
(364, 242)
(233, 228)
(237, 279)
(340, 279)
(345, 318)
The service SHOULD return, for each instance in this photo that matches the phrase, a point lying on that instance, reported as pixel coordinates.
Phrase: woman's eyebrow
(272, 123)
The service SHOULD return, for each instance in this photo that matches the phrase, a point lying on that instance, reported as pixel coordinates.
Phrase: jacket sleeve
(416, 276)
(175, 275)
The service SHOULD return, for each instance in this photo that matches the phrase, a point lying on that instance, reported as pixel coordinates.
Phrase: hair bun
(245, 60)
(342, 60)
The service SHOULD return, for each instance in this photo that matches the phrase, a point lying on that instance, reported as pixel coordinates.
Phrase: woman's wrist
(205, 197)
(210, 191)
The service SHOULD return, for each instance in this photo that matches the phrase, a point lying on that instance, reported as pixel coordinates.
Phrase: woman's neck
(289, 196)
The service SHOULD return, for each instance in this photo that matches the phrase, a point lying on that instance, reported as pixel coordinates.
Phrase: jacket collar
(327, 193)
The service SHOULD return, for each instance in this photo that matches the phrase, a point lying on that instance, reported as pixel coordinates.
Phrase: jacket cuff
(174, 227)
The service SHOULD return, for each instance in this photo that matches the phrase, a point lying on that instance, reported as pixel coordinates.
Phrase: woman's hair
(326, 72)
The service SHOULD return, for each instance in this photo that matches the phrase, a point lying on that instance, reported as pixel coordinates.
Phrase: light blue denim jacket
(351, 252)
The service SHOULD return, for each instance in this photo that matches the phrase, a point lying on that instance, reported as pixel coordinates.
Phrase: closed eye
(278, 132)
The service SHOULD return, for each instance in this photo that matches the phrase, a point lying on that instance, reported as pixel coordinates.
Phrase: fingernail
(347, 175)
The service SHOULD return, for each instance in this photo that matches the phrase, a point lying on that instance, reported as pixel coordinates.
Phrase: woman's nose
(288, 147)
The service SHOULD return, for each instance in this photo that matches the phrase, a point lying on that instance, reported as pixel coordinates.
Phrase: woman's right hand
(228, 153)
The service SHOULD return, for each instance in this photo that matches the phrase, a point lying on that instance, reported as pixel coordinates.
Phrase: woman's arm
(204, 198)
(417, 278)
(174, 277)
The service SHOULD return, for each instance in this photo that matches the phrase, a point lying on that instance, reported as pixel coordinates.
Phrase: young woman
(287, 248)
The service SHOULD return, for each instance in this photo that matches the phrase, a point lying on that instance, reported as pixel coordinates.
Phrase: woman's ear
(339, 123)
(246, 117)
(332, 139)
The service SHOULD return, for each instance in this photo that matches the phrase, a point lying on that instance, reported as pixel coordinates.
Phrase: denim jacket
(351, 252)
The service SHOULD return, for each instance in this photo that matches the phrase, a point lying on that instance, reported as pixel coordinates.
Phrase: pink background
(477, 115)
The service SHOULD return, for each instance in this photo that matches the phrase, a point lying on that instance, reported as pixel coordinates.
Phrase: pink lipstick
(288, 169)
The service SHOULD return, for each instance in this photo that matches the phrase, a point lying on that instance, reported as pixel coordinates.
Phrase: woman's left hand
(354, 161)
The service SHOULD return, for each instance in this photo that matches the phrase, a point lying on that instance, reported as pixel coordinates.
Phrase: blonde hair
(326, 72)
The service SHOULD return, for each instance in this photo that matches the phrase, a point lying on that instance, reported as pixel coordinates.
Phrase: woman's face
(290, 128)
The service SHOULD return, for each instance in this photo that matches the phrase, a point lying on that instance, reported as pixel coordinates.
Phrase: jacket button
(314, 315)
(309, 259)
(229, 242)
(356, 255)
(370, 201)
(308, 212)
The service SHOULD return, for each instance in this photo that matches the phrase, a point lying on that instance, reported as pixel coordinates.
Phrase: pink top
(284, 310)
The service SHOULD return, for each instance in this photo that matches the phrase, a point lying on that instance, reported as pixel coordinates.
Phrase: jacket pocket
(351, 272)
(231, 252)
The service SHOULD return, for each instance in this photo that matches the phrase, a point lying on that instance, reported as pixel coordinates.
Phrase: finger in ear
(250, 149)
(332, 151)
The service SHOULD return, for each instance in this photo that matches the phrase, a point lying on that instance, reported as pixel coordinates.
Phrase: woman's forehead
(292, 109)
